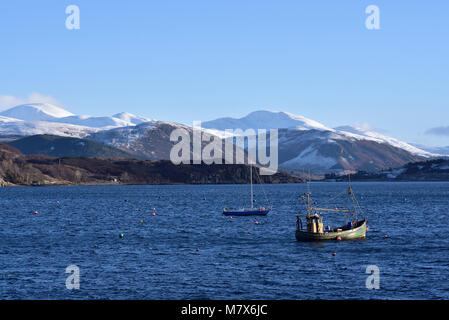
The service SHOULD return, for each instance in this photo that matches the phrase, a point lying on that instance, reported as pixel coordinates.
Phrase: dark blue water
(237, 259)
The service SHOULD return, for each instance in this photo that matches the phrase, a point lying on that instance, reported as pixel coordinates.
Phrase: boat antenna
(308, 181)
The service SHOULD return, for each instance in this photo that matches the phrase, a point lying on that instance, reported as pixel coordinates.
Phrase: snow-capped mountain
(16, 127)
(358, 132)
(148, 140)
(36, 112)
(283, 120)
(306, 144)
(44, 118)
(327, 151)
(265, 120)
(444, 151)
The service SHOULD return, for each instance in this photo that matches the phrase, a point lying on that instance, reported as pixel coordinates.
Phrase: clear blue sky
(202, 59)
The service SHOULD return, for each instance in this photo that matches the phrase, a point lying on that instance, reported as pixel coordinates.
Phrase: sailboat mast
(251, 178)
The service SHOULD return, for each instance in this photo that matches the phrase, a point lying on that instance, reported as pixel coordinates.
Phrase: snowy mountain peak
(36, 112)
(361, 132)
(264, 119)
(131, 118)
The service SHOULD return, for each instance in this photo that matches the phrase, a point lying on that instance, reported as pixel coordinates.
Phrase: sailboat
(314, 231)
(251, 211)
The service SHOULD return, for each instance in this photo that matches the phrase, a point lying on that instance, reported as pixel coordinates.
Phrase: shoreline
(206, 184)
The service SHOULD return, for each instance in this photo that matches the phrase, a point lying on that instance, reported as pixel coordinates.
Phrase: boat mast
(251, 178)
(308, 194)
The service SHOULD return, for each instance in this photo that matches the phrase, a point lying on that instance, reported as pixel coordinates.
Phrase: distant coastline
(426, 171)
(17, 169)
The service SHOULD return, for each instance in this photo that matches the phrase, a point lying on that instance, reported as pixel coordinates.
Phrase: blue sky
(203, 59)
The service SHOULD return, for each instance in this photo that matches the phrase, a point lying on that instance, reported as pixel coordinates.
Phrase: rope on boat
(335, 197)
(263, 190)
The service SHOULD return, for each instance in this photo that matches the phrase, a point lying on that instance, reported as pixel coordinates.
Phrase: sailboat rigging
(251, 211)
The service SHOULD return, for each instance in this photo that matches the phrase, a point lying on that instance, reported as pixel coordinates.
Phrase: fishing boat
(315, 231)
(251, 211)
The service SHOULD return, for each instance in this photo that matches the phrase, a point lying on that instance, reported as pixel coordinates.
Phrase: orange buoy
(366, 228)
(153, 214)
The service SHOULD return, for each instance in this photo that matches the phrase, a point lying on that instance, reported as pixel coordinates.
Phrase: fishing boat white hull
(357, 232)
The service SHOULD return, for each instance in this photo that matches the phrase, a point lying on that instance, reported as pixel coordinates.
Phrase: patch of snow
(94, 122)
(439, 151)
(36, 112)
(27, 128)
(310, 157)
(131, 118)
(361, 133)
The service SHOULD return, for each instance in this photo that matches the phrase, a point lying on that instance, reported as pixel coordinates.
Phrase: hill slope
(19, 169)
(57, 146)
(429, 170)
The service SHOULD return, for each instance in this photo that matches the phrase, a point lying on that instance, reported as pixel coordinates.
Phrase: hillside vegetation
(19, 169)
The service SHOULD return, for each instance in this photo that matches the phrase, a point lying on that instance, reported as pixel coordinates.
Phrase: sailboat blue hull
(255, 212)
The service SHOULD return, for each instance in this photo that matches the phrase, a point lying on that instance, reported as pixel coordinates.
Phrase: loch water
(188, 250)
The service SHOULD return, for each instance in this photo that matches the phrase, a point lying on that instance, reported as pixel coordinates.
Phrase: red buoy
(255, 222)
(35, 212)
(334, 254)
(338, 238)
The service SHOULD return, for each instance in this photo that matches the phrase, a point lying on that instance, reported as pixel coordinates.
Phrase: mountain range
(303, 144)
